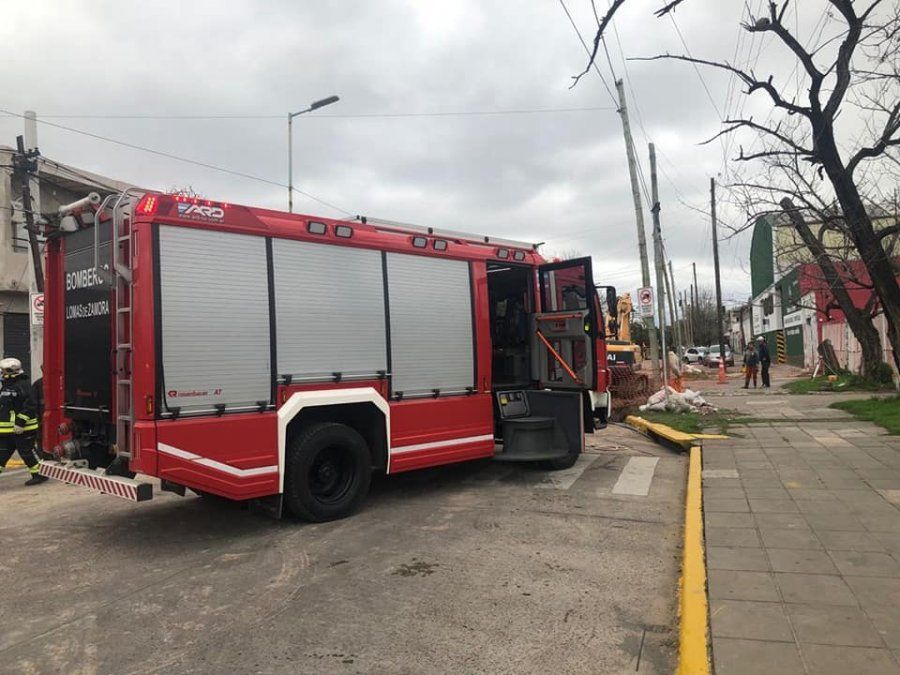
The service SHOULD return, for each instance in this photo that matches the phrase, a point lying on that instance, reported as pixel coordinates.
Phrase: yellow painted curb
(693, 654)
(666, 433)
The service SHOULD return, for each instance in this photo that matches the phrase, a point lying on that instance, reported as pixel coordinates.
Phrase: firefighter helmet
(10, 367)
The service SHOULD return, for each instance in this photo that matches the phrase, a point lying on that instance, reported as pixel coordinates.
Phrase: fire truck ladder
(123, 248)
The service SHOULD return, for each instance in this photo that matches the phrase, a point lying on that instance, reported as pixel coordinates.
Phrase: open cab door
(547, 424)
(565, 330)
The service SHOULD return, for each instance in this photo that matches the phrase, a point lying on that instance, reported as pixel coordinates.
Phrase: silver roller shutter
(330, 310)
(431, 324)
(214, 301)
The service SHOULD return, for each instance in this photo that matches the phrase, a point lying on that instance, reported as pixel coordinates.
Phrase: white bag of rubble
(679, 402)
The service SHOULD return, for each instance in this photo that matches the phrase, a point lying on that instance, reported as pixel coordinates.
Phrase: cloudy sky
(559, 177)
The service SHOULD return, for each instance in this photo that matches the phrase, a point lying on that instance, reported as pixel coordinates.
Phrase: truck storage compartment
(540, 425)
(214, 313)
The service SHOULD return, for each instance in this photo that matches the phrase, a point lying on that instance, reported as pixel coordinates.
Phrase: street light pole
(290, 118)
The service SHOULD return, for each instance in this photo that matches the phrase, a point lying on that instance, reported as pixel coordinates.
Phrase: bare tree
(858, 68)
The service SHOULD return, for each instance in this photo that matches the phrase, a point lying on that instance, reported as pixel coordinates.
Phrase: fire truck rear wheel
(328, 472)
(566, 462)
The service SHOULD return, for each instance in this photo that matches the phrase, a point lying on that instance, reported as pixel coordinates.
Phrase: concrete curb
(693, 648)
(693, 601)
(666, 434)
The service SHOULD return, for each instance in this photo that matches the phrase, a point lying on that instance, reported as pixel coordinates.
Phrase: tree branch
(667, 8)
(752, 83)
(888, 231)
(775, 133)
(774, 25)
(888, 139)
(604, 22)
(845, 54)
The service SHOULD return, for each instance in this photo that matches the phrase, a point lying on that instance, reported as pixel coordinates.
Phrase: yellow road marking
(693, 651)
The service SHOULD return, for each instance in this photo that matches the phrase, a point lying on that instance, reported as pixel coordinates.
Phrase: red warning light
(148, 204)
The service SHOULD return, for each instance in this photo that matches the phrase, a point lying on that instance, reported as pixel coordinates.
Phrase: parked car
(694, 354)
(712, 357)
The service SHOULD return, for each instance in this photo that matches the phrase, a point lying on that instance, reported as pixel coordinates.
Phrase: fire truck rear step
(118, 486)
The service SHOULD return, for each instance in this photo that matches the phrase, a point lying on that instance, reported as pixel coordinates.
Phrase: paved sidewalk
(803, 542)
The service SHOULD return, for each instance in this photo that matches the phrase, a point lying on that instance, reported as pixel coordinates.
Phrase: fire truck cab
(282, 358)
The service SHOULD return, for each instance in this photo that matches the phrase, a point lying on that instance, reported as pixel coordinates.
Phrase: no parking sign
(645, 302)
(37, 309)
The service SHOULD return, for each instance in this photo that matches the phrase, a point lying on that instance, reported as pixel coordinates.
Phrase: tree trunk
(865, 239)
(859, 321)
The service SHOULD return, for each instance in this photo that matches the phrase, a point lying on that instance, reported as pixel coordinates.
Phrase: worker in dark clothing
(751, 360)
(18, 419)
(765, 360)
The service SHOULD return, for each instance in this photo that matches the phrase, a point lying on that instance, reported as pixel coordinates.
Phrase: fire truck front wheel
(328, 472)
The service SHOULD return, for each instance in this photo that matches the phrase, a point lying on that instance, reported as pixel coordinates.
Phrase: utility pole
(695, 301)
(670, 300)
(686, 314)
(26, 163)
(719, 317)
(673, 300)
(639, 218)
(660, 266)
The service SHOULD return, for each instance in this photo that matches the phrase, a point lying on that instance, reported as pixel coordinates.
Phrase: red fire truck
(281, 358)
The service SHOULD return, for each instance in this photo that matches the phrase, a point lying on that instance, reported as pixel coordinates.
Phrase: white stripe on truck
(213, 464)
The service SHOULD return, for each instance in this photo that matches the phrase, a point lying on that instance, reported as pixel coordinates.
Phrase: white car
(694, 354)
(712, 356)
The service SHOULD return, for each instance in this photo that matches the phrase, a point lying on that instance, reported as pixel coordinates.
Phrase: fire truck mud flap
(118, 486)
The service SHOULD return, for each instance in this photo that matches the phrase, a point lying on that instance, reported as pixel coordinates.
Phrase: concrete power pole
(673, 305)
(639, 218)
(660, 265)
(715, 240)
(679, 325)
(695, 301)
(27, 149)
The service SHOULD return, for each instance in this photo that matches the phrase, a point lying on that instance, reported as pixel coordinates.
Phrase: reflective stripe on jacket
(17, 406)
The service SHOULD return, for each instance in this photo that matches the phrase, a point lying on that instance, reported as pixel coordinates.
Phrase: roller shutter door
(430, 302)
(214, 309)
(330, 310)
(17, 339)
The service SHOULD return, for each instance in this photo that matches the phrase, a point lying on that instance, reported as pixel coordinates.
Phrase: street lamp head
(325, 101)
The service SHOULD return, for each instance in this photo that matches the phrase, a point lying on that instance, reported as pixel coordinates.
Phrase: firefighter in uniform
(18, 419)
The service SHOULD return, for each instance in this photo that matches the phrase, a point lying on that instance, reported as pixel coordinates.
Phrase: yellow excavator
(621, 350)
(624, 358)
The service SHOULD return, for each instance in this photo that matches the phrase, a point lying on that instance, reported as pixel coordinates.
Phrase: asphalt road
(478, 567)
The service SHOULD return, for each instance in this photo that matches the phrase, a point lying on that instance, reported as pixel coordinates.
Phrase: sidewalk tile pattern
(803, 548)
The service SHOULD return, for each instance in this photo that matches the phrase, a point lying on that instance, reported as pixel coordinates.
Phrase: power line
(446, 113)
(588, 51)
(696, 68)
(169, 155)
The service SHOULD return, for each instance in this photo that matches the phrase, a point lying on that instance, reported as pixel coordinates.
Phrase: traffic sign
(37, 309)
(645, 302)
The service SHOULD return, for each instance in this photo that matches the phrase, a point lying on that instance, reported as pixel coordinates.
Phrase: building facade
(792, 304)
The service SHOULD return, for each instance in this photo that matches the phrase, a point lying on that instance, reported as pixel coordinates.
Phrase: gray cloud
(560, 178)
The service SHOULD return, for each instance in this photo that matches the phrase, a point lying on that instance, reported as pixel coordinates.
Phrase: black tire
(328, 472)
(566, 462)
